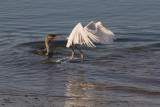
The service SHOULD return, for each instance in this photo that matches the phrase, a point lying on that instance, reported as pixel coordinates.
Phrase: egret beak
(57, 36)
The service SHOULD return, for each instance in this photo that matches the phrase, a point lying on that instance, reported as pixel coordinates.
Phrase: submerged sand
(45, 101)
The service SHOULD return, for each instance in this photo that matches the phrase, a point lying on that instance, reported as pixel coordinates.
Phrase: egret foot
(72, 54)
(82, 56)
(47, 53)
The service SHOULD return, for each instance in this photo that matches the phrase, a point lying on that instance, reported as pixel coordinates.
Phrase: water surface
(125, 72)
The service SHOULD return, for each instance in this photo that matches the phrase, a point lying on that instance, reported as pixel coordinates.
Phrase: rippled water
(127, 71)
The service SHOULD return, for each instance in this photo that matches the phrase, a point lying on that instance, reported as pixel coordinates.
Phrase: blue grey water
(127, 71)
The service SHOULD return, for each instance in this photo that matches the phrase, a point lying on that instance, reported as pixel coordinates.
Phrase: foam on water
(65, 59)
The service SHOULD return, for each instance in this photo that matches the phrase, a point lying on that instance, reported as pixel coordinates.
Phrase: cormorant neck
(47, 46)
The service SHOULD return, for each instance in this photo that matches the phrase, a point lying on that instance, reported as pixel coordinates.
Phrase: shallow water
(126, 71)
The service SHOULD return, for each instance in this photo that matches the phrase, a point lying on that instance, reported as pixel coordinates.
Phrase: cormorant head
(49, 37)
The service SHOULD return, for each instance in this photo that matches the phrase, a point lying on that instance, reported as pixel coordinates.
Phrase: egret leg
(73, 52)
(82, 55)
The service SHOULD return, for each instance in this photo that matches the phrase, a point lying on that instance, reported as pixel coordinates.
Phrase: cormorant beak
(57, 36)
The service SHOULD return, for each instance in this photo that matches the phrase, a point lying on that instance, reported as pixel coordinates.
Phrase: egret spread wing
(92, 32)
(80, 36)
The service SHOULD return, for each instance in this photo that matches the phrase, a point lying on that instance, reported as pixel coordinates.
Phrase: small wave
(156, 45)
(137, 90)
(37, 43)
(134, 40)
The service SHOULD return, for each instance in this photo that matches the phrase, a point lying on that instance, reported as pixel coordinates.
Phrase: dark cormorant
(48, 39)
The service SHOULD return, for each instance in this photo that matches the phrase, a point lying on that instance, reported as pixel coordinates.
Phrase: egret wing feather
(104, 34)
(91, 30)
(79, 36)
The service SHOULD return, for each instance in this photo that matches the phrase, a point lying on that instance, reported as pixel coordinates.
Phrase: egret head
(49, 37)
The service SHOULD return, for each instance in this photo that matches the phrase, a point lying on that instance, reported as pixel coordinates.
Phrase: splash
(64, 60)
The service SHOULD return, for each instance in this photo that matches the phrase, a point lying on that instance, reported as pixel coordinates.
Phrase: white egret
(85, 35)
(48, 39)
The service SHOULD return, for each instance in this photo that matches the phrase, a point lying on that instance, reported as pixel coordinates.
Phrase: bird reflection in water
(76, 91)
(80, 93)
